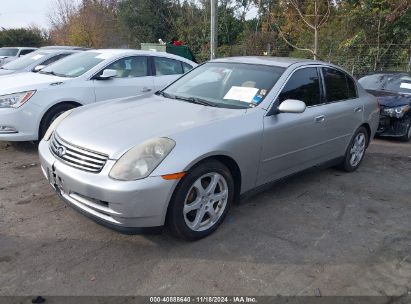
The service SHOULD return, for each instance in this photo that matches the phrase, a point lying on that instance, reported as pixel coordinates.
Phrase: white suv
(29, 102)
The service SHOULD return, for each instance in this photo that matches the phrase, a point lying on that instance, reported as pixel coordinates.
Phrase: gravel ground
(323, 232)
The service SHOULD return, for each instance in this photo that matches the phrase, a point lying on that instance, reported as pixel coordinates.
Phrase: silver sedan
(183, 156)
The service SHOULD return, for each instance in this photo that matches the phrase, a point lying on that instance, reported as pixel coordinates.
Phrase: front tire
(201, 201)
(407, 136)
(355, 151)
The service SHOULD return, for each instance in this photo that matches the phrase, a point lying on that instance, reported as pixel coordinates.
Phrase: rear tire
(355, 151)
(51, 115)
(201, 201)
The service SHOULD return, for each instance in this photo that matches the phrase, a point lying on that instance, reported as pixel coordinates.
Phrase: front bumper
(24, 122)
(120, 205)
(392, 126)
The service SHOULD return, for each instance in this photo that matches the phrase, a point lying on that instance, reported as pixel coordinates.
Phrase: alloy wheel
(358, 149)
(206, 201)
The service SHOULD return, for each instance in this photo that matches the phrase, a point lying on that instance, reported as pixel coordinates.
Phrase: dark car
(393, 91)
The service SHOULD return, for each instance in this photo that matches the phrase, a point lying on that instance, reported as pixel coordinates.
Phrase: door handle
(359, 109)
(145, 90)
(319, 119)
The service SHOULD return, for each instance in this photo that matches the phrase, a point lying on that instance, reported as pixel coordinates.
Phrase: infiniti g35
(183, 156)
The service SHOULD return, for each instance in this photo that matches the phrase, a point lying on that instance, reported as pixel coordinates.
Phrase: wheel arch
(226, 160)
(73, 103)
(368, 128)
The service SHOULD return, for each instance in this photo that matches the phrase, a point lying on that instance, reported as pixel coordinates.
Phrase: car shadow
(24, 146)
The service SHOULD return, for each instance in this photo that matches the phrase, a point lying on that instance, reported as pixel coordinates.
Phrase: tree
(313, 15)
(89, 23)
(21, 37)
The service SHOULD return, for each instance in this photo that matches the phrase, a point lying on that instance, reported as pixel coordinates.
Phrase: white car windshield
(24, 61)
(75, 65)
(227, 85)
(8, 52)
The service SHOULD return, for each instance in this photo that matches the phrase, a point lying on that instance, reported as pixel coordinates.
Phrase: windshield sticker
(257, 99)
(244, 94)
(37, 57)
(104, 56)
(405, 85)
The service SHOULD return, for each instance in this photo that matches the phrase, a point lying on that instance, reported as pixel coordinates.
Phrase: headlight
(55, 124)
(141, 160)
(15, 100)
(397, 111)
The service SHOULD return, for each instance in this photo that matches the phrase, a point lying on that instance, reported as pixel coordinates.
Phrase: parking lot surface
(323, 232)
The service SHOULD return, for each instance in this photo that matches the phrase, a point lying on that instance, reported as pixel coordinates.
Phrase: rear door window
(54, 59)
(338, 85)
(186, 67)
(167, 66)
(25, 52)
(303, 85)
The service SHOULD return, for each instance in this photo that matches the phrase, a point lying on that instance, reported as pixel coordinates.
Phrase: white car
(29, 102)
(38, 60)
(8, 54)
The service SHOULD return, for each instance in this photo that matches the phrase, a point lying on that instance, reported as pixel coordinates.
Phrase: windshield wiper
(164, 94)
(195, 100)
(53, 73)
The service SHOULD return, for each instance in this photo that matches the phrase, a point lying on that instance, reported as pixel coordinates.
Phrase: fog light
(7, 129)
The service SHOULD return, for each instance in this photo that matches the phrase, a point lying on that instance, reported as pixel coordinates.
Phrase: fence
(359, 60)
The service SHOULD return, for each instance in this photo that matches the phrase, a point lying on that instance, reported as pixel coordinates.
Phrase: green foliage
(361, 35)
(21, 37)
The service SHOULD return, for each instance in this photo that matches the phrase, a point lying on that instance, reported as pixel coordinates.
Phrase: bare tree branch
(297, 8)
(326, 16)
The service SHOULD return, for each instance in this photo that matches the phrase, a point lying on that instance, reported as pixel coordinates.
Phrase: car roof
(268, 60)
(138, 52)
(19, 47)
(64, 47)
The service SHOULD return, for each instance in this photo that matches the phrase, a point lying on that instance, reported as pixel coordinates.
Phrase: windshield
(8, 52)
(400, 82)
(227, 85)
(75, 65)
(24, 61)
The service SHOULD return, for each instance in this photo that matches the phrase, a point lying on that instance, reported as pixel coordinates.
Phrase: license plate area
(55, 180)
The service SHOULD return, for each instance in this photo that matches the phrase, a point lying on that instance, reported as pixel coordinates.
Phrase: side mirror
(107, 74)
(39, 68)
(292, 106)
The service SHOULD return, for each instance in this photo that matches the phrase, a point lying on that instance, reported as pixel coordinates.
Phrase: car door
(166, 71)
(343, 110)
(293, 142)
(133, 79)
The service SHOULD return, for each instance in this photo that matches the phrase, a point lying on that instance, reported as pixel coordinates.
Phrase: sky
(23, 13)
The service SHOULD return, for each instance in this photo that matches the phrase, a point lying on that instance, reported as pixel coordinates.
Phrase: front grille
(77, 157)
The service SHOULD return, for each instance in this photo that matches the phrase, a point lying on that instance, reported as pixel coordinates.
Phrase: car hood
(391, 99)
(21, 82)
(6, 72)
(115, 127)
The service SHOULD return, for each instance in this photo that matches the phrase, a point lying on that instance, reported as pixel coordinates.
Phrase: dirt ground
(323, 232)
